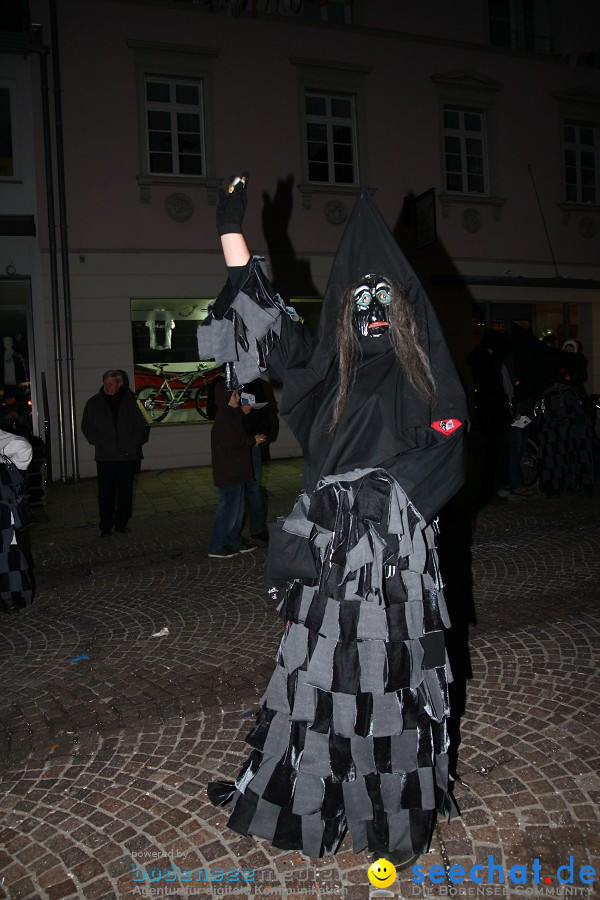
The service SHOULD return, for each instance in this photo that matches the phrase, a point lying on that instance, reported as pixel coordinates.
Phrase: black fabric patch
(425, 754)
(371, 499)
(349, 615)
(340, 755)
(292, 601)
(398, 666)
(410, 708)
(364, 714)
(292, 681)
(257, 736)
(396, 622)
(346, 669)
(316, 611)
(333, 832)
(433, 645)
(411, 791)
(288, 831)
(421, 826)
(280, 787)
(382, 753)
(297, 737)
(377, 828)
(323, 507)
(432, 620)
(394, 589)
(323, 712)
(333, 800)
(240, 819)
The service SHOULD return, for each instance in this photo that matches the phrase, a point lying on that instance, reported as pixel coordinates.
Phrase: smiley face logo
(381, 873)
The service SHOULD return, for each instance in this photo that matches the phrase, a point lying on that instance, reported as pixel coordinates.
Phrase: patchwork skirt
(351, 732)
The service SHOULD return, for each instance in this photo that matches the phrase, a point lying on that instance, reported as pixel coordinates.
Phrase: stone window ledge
(447, 201)
(146, 183)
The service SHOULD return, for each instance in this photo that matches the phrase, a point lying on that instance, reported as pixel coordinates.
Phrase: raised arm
(230, 215)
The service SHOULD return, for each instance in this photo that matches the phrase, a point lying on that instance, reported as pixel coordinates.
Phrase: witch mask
(372, 298)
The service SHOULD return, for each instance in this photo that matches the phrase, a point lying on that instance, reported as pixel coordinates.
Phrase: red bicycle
(176, 390)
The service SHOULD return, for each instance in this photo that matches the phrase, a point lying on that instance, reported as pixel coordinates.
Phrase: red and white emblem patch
(446, 426)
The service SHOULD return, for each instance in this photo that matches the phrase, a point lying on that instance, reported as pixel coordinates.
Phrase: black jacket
(230, 444)
(114, 439)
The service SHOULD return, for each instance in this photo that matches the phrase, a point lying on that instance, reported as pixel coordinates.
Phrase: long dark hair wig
(404, 336)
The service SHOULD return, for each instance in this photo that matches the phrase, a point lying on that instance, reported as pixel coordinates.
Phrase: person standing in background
(114, 424)
(232, 468)
(257, 420)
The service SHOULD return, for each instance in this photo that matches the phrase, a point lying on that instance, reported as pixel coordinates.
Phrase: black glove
(231, 209)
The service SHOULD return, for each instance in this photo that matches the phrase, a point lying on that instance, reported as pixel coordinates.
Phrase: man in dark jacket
(232, 468)
(113, 422)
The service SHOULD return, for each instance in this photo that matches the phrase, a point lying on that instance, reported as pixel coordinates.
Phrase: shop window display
(170, 384)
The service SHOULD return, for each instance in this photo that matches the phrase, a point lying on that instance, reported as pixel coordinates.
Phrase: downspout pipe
(64, 239)
(36, 33)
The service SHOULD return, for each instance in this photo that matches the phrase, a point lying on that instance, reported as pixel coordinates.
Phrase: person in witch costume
(351, 731)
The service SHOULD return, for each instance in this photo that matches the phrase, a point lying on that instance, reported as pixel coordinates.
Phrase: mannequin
(160, 324)
(14, 364)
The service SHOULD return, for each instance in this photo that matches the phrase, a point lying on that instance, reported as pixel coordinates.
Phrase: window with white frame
(175, 120)
(175, 126)
(330, 122)
(465, 151)
(520, 25)
(581, 147)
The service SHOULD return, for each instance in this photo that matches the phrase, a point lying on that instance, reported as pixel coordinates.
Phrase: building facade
(477, 131)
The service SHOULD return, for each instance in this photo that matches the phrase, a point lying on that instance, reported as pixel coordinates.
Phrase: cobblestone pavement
(124, 684)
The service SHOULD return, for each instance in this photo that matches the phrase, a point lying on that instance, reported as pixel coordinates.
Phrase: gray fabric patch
(205, 342)
(404, 751)
(373, 664)
(357, 801)
(361, 749)
(278, 736)
(399, 833)
(315, 757)
(319, 671)
(264, 821)
(223, 339)
(330, 626)
(261, 779)
(344, 714)
(297, 521)
(413, 610)
(359, 555)
(312, 835)
(246, 366)
(295, 648)
(416, 663)
(305, 701)
(427, 789)
(387, 715)
(275, 697)
(372, 623)
(413, 582)
(392, 787)
(309, 791)
(358, 833)
(257, 319)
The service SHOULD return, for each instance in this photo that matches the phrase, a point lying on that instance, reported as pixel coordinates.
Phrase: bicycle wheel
(155, 402)
(530, 463)
(200, 401)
